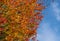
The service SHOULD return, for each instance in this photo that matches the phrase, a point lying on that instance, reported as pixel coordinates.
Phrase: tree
(19, 19)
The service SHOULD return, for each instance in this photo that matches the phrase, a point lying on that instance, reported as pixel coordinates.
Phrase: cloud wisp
(56, 10)
(47, 33)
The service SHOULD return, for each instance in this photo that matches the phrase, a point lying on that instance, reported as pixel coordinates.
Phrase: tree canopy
(19, 19)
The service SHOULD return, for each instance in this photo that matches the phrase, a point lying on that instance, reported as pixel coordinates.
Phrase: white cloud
(47, 33)
(56, 10)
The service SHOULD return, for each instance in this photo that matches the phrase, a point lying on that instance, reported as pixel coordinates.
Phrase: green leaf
(4, 6)
(3, 35)
(4, 25)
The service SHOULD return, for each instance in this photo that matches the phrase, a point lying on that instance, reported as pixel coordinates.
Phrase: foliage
(19, 19)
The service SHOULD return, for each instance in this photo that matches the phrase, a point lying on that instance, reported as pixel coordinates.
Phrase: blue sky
(49, 28)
